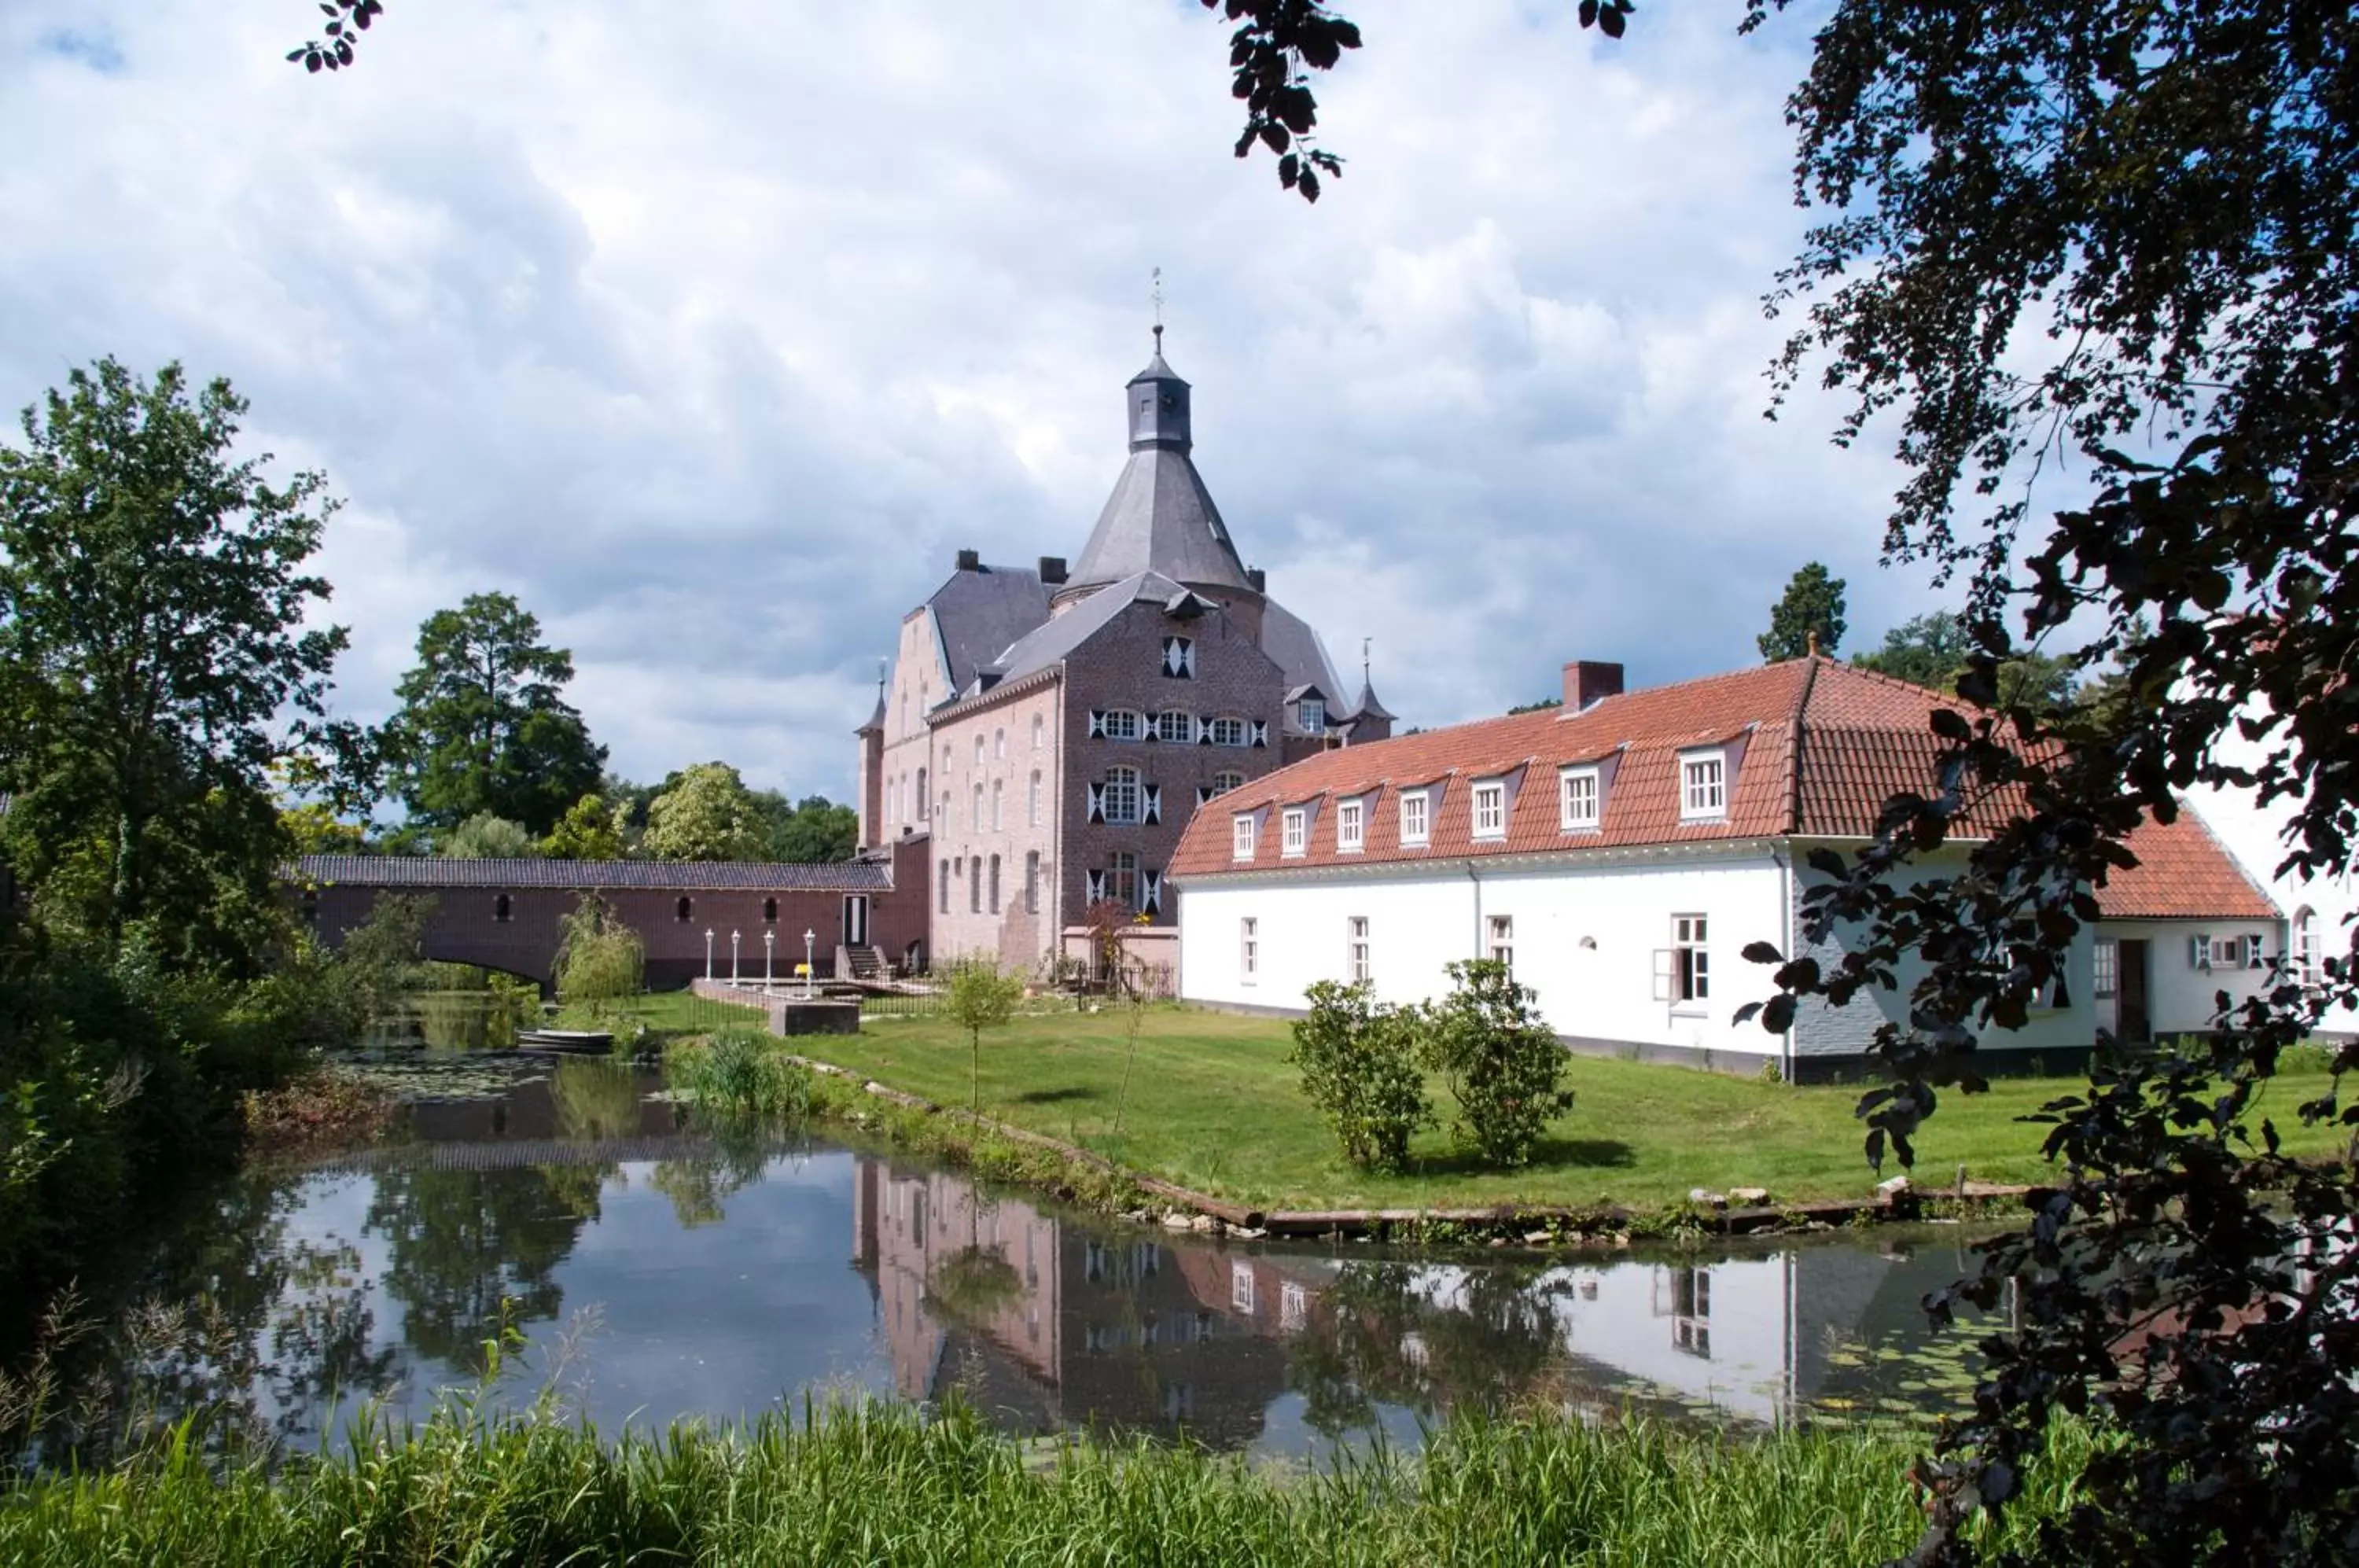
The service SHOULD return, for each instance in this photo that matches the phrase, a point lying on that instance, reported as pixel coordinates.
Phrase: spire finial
(1814, 637)
(882, 666)
(1366, 643)
(1155, 295)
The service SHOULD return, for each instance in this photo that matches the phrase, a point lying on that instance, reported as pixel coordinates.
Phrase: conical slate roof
(1160, 517)
(1368, 707)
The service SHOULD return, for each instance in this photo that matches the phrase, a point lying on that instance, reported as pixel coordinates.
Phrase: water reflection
(715, 1271)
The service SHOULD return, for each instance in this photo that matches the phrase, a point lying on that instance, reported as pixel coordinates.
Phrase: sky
(711, 330)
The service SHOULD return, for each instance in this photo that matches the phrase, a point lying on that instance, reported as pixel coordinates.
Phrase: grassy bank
(883, 1487)
(1213, 1105)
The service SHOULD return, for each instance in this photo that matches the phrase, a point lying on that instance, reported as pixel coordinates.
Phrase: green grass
(668, 1013)
(1215, 1106)
(879, 1486)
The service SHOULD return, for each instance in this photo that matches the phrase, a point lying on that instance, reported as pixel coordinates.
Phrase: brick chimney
(970, 560)
(1052, 569)
(1588, 679)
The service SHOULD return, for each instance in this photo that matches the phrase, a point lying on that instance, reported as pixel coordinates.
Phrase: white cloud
(711, 328)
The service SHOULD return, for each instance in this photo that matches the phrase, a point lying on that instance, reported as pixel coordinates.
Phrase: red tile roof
(2183, 873)
(1815, 748)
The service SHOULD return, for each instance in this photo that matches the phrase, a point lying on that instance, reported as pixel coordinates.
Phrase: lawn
(1213, 1105)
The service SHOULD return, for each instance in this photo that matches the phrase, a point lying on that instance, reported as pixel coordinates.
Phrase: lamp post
(734, 939)
(769, 958)
(708, 953)
(810, 939)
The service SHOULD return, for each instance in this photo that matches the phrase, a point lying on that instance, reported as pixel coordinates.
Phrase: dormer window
(1491, 809)
(1294, 830)
(1704, 786)
(1351, 827)
(1577, 800)
(1415, 813)
(1179, 657)
(1244, 831)
(1314, 711)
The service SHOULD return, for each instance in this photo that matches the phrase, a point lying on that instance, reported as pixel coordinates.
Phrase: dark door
(855, 920)
(2136, 1023)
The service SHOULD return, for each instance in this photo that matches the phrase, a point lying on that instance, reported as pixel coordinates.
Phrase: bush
(1502, 1063)
(601, 960)
(740, 1072)
(1359, 1068)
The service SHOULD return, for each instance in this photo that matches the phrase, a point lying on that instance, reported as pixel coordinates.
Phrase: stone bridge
(504, 914)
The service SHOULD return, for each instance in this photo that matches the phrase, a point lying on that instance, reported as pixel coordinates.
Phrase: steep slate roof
(1822, 746)
(2184, 872)
(1043, 646)
(1295, 648)
(687, 876)
(978, 612)
(1160, 518)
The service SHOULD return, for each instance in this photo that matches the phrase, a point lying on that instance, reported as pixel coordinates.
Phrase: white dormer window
(1577, 800)
(1314, 714)
(1491, 809)
(1294, 830)
(1703, 785)
(1413, 817)
(1242, 835)
(1351, 825)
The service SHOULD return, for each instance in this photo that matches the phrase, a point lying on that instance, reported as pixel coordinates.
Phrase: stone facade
(1050, 733)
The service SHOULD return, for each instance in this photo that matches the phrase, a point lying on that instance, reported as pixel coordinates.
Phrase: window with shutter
(1094, 884)
(1261, 731)
(1097, 724)
(1097, 802)
(1154, 803)
(1150, 892)
(1178, 657)
(1121, 796)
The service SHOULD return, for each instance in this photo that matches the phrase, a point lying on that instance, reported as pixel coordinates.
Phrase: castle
(1050, 731)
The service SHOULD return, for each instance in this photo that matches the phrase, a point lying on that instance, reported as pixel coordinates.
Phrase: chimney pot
(1588, 679)
(1052, 569)
(970, 560)
(1259, 579)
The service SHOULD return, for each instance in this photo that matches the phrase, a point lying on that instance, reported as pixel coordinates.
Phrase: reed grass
(884, 1485)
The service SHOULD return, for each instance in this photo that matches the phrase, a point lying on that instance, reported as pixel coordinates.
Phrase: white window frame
(1181, 733)
(1312, 712)
(1123, 723)
(1351, 827)
(1032, 801)
(1703, 785)
(1228, 778)
(2105, 969)
(978, 750)
(1416, 825)
(1248, 950)
(2308, 948)
(1244, 835)
(1228, 730)
(1356, 966)
(1125, 796)
(1580, 799)
(1490, 794)
(998, 743)
(1294, 830)
(1683, 970)
(1501, 947)
(1040, 729)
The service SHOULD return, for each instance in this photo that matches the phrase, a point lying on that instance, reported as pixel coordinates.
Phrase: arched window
(922, 797)
(500, 909)
(2306, 946)
(1122, 802)
(998, 743)
(1032, 801)
(1032, 882)
(1224, 782)
(994, 805)
(943, 887)
(978, 751)
(946, 810)
(995, 884)
(974, 884)
(683, 909)
(975, 822)
(1040, 729)
(769, 911)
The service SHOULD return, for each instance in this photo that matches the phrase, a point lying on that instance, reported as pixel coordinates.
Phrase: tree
(1543, 705)
(707, 814)
(153, 663)
(814, 832)
(481, 726)
(586, 831)
(1810, 616)
(485, 837)
(980, 997)
(1503, 1064)
(1937, 650)
(600, 960)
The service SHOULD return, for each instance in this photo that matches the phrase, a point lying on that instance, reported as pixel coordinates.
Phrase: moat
(649, 1272)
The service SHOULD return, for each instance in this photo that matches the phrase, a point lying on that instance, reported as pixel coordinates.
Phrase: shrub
(1502, 1063)
(743, 1073)
(600, 959)
(1359, 1068)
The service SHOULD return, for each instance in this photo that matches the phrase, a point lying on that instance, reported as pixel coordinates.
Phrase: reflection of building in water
(1125, 1333)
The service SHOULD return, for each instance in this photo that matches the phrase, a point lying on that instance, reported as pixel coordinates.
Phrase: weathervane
(1156, 296)
(1366, 643)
